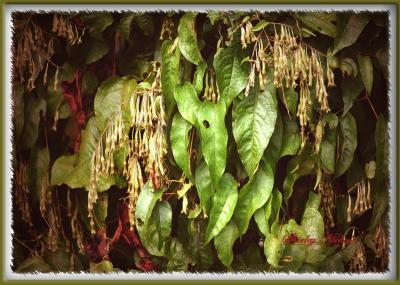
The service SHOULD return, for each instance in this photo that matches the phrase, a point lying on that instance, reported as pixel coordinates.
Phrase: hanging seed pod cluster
(363, 199)
(32, 50)
(63, 27)
(147, 142)
(295, 62)
(325, 190)
(22, 192)
(211, 89)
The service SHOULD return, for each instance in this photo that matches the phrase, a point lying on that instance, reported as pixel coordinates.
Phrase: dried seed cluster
(211, 90)
(325, 190)
(76, 227)
(363, 200)
(66, 29)
(102, 163)
(381, 245)
(358, 262)
(147, 143)
(144, 142)
(166, 28)
(22, 192)
(31, 52)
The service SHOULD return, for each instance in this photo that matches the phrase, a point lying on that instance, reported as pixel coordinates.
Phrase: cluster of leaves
(240, 181)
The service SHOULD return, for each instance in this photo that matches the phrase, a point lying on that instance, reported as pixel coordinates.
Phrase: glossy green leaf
(145, 22)
(348, 30)
(180, 143)
(348, 130)
(224, 242)
(231, 73)
(262, 215)
(159, 227)
(187, 42)
(213, 136)
(366, 71)
(96, 49)
(199, 77)
(144, 208)
(272, 249)
(204, 186)
(273, 149)
(253, 124)
(291, 139)
(312, 220)
(98, 21)
(254, 195)
(169, 75)
(188, 102)
(260, 25)
(125, 25)
(224, 203)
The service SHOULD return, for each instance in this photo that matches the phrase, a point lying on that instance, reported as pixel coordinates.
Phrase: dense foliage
(226, 141)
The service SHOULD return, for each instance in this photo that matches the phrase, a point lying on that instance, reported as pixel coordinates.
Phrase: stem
(370, 104)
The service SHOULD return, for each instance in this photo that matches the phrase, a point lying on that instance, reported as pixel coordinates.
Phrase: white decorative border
(7, 246)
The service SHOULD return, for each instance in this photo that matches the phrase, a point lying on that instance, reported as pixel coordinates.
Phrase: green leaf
(348, 30)
(273, 249)
(204, 186)
(214, 137)
(273, 149)
(253, 122)
(224, 203)
(201, 253)
(231, 74)
(34, 107)
(254, 195)
(180, 143)
(18, 110)
(299, 166)
(187, 42)
(98, 21)
(312, 220)
(169, 75)
(178, 258)
(89, 83)
(262, 215)
(351, 89)
(224, 242)
(290, 98)
(291, 139)
(95, 50)
(125, 25)
(328, 151)
(322, 22)
(109, 98)
(145, 22)
(159, 228)
(199, 77)
(348, 130)
(74, 170)
(275, 206)
(188, 102)
(366, 71)
(144, 208)
(260, 25)
(102, 267)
